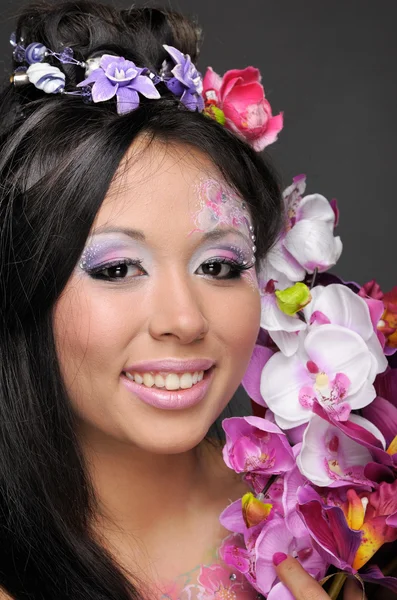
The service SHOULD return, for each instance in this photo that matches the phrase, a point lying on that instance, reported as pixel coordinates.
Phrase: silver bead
(19, 79)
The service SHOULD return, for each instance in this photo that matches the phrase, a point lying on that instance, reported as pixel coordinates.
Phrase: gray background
(331, 67)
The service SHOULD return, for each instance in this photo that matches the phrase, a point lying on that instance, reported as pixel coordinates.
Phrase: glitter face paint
(107, 248)
(221, 207)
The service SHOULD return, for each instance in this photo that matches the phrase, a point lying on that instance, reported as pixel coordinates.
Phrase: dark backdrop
(331, 67)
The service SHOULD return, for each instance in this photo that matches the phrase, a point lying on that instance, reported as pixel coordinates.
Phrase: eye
(117, 270)
(221, 268)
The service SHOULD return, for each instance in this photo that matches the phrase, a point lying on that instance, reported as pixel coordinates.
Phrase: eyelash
(236, 268)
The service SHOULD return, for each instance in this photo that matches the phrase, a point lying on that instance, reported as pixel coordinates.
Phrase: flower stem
(337, 584)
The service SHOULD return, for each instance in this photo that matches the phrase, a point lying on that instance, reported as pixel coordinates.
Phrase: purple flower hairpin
(121, 78)
(186, 82)
(107, 76)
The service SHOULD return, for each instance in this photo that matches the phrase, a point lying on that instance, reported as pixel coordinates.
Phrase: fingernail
(278, 558)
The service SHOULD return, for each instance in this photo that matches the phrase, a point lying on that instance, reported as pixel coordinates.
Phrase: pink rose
(241, 97)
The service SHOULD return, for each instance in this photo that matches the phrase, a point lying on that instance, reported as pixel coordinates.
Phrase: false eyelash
(93, 271)
(237, 266)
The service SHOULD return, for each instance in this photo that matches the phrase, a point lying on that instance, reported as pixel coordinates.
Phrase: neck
(136, 490)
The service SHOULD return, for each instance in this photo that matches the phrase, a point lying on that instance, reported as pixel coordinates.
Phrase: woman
(129, 313)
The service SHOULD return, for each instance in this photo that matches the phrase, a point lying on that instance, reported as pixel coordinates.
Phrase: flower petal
(127, 100)
(211, 81)
(313, 245)
(282, 378)
(280, 259)
(335, 349)
(145, 86)
(252, 377)
(103, 90)
(316, 208)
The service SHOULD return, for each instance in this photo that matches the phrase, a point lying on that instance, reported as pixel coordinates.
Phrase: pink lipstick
(169, 399)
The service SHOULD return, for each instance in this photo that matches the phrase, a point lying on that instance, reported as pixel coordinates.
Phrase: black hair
(58, 158)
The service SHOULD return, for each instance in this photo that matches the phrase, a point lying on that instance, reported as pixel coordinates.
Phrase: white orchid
(332, 366)
(308, 241)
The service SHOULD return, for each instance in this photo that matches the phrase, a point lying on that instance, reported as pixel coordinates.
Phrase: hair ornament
(47, 78)
(186, 82)
(236, 100)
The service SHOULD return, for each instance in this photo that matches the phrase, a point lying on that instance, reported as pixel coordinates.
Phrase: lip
(170, 400)
(172, 365)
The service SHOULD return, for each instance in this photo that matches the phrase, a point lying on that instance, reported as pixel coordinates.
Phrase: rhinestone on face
(251, 228)
(253, 248)
(232, 576)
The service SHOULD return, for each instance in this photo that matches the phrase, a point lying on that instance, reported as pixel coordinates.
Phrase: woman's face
(156, 326)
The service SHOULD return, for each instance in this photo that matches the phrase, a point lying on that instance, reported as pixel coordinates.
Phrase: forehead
(160, 186)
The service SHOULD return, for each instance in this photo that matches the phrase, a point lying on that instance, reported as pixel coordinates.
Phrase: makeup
(221, 207)
(170, 399)
(106, 250)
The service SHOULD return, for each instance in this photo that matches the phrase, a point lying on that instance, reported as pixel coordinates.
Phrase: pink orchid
(276, 537)
(308, 241)
(241, 97)
(348, 535)
(257, 448)
(333, 366)
(383, 414)
(252, 376)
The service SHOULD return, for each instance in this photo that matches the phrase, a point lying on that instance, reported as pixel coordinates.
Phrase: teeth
(148, 380)
(186, 381)
(159, 381)
(171, 382)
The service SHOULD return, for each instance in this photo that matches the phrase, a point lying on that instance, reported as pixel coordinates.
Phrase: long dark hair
(58, 158)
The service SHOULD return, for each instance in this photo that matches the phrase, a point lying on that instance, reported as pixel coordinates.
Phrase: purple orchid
(121, 78)
(276, 537)
(348, 535)
(256, 447)
(186, 81)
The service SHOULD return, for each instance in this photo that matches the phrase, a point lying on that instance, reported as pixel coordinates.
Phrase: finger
(298, 581)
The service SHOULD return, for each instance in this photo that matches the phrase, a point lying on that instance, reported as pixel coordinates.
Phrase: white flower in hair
(46, 77)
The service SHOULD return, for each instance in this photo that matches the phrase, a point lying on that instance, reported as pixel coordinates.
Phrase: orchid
(329, 458)
(121, 78)
(282, 328)
(333, 366)
(307, 242)
(257, 448)
(186, 81)
(349, 535)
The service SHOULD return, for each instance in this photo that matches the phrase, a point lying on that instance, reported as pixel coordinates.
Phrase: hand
(304, 587)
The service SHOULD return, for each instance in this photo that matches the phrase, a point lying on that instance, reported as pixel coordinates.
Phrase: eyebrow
(136, 234)
(217, 234)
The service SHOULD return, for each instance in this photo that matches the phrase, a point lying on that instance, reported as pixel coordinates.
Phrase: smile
(169, 381)
(168, 390)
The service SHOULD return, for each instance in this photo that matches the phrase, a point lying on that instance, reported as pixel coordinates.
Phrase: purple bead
(13, 39)
(66, 56)
(35, 53)
(19, 53)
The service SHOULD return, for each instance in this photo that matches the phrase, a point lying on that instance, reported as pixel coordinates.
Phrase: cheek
(92, 331)
(237, 323)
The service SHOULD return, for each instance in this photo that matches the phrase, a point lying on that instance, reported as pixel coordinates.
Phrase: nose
(177, 312)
